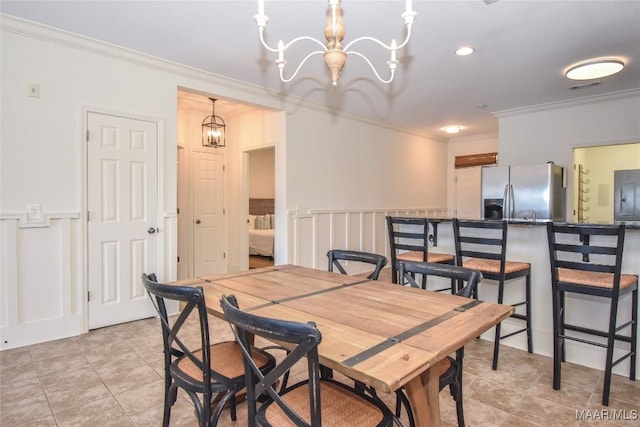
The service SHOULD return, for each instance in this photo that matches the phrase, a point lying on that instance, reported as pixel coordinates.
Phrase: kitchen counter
(630, 225)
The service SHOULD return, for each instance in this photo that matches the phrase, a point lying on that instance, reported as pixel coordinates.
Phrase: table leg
(423, 393)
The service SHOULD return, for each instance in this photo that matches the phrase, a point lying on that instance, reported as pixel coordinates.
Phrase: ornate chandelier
(335, 55)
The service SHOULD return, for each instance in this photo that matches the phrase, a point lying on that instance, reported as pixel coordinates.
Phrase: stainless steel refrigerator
(524, 192)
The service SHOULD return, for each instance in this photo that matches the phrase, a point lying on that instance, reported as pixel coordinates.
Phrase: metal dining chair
(204, 372)
(300, 404)
(335, 256)
(450, 368)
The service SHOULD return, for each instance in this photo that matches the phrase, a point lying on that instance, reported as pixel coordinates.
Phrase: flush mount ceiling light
(334, 54)
(464, 51)
(213, 129)
(594, 69)
(452, 129)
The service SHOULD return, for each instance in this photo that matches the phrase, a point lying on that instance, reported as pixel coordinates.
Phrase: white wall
(262, 174)
(463, 146)
(550, 133)
(323, 160)
(336, 163)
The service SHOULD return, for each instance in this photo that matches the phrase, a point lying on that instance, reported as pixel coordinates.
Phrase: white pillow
(252, 222)
(263, 222)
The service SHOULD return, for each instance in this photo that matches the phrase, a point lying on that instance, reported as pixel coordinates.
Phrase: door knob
(197, 221)
(151, 230)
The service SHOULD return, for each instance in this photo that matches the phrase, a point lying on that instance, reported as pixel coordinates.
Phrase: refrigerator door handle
(512, 199)
(506, 202)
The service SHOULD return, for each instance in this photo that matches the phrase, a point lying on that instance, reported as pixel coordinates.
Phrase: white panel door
(122, 194)
(208, 213)
(467, 192)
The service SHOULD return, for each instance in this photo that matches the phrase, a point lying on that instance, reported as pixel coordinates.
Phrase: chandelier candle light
(334, 54)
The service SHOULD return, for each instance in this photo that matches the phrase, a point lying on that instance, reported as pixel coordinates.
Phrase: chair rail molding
(28, 219)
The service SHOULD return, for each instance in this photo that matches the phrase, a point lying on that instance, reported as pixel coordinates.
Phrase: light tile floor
(113, 377)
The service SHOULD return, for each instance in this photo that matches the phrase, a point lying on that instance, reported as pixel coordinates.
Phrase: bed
(261, 232)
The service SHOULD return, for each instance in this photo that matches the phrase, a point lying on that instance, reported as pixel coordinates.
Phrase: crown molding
(475, 137)
(613, 96)
(225, 87)
(72, 40)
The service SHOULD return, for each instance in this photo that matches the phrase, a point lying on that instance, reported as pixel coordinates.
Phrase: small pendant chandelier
(213, 129)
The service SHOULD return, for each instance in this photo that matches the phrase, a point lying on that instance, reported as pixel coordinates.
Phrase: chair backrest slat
(408, 269)
(336, 255)
(573, 245)
(407, 234)
(473, 240)
(305, 337)
(173, 339)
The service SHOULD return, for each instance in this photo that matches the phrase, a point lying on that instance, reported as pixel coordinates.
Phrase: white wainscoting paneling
(40, 287)
(313, 233)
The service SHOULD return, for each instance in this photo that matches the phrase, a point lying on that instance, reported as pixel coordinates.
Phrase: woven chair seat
(594, 278)
(226, 359)
(340, 407)
(433, 257)
(493, 265)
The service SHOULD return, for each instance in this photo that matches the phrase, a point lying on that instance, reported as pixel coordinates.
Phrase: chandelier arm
(297, 68)
(388, 47)
(285, 47)
(374, 68)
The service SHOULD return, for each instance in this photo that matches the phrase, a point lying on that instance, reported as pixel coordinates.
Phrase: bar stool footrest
(513, 333)
(623, 357)
(596, 332)
(519, 316)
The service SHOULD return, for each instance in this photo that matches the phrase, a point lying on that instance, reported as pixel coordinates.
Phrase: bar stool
(482, 246)
(572, 270)
(412, 244)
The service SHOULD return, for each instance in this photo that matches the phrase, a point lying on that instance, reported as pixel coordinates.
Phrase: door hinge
(87, 136)
(88, 296)
(178, 259)
(224, 211)
(178, 210)
(224, 168)
(87, 216)
(224, 255)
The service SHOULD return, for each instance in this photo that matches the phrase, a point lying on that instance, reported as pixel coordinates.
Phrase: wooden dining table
(382, 334)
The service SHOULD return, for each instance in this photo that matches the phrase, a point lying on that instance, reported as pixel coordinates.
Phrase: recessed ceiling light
(452, 129)
(463, 51)
(594, 69)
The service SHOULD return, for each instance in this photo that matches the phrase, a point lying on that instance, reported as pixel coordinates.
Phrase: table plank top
(379, 333)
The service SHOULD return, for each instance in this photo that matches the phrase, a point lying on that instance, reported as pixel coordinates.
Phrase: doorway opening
(597, 197)
(261, 188)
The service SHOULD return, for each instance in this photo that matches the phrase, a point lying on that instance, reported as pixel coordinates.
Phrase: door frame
(84, 306)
